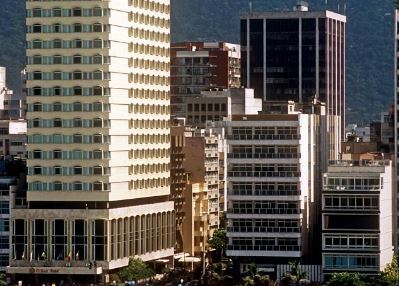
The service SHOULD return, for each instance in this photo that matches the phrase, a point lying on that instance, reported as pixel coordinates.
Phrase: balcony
(264, 229)
(264, 137)
(264, 192)
(264, 211)
(262, 156)
(264, 247)
(280, 174)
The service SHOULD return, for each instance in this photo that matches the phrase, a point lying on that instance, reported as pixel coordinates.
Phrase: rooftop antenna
(250, 6)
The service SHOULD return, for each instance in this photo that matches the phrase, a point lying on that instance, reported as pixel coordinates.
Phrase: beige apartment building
(98, 141)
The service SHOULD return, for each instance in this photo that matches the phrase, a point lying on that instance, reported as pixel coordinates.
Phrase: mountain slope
(369, 44)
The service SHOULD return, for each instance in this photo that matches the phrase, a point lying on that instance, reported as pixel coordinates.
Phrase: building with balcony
(198, 66)
(274, 167)
(98, 140)
(358, 211)
(297, 55)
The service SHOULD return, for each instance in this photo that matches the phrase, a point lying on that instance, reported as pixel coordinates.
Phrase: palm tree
(255, 278)
(296, 276)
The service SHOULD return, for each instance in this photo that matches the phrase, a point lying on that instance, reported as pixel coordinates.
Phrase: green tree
(255, 278)
(3, 279)
(390, 275)
(296, 276)
(346, 279)
(219, 240)
(136, 270)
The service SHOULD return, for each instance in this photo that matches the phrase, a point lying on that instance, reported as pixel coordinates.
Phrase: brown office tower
(198, 66)
(297, 55)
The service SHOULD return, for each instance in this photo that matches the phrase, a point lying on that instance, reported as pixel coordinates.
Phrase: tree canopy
(136, 270)
(346, 279)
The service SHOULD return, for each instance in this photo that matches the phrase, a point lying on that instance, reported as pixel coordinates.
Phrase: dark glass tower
(297, 55)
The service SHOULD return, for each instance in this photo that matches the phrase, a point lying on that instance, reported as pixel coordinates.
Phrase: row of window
(69, 171)
(149, 64)
(66, 28)
(149, 153)
(69, 155)
(264, 189)
(76, 75)
(264, 130)
(149, 168)
(148, 79)
(350, 202)
(65, 91)
(149, 139)
(62, 12)
(352, 183)
(75, 186)
(343, 261)
(68, 44)
(68, 60)
(149, 109)
(149, 49)
(264, 225)
(345, 241)
(265, 207)
(69, 107)
(148, 94)
(149, 183)
(146, 124)
(265, 244)
(151, 5)
(69, 123)
(149, 20)
(149, 35)
(69, 139)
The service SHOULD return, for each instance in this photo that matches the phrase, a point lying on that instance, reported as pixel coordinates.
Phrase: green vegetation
(219, 241)
(3, 279)
(255, 278)
(296, 276)
(346, 279)
(137, 270)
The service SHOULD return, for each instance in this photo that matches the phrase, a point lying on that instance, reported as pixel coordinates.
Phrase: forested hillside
(369, 41)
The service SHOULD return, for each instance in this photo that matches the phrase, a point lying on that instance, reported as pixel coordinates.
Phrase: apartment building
(297, 55)
(274, 165)
(358, 210)
(198, 66)
(98, 140)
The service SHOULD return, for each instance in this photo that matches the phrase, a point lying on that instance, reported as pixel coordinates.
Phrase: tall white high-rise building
(98, 138)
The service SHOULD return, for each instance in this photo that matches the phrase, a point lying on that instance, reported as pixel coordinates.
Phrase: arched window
(97, 91)
(98, 138)
(77, 154)
(77, 28)
(57, 185)
(98, 186)
(57, 12)
(97, 11)
(57, 28)
(37, 60)
(97, 106)
(57, 44)
(57, 170)
(77, 59)
(37, 12)
(37, 106)
(77, 75)
(77, 170)
(77, 43)
(36, 123)
(97, 27)
(57, 75)
(97, 59)
(57, 59)
(37, 28)
(57, 91)
(77, 12)
(97, 154)
(37, 75)
(57, 122)
(37, 44)
(98, 75)
(77, 90)
(57, 154)
(37, 91)
(77, 186)
(97, 122)
(77, 122)
(37, 154)
(77, 138)
(77, 106)
(57, 106)
(97, 43)
(97, 170)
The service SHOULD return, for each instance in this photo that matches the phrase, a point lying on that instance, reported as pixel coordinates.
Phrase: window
(97, 122)
(57, 154)
(37, 12)
(37, 154)
(57, 122)
(97, 59)
(77, 59)
(77, 75)
(77, 122)
(37, 91)
(57, 106)
(57, 91)
(77, 91)
(97, 43)
(37, 44)
(57, 60)
(97, 106)
(97, 27)
(97, 75)
(97, 138)
(37, 170)
(57, 12)
(97, 11)
(77, 28)
(57, 44)
(78, 43)
(37, 106)
(37, 60)
(37, 75)
(97, 91)
(77, 138)
(57, 170)
(57, 28)
(37, 28)
(77, 12)
(97, 154)
(77, 106)
(57, 185)
(77, 170)
(97, 170)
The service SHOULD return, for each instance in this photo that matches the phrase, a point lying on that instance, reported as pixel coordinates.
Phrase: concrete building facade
(98, 141)
(358, 212)
(297, 55)
(198, 66)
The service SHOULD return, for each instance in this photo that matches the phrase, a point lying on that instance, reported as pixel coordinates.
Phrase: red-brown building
(198, 66)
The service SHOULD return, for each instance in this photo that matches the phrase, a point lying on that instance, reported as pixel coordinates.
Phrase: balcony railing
(359, 163)
(262, 156)
(264, 247)
(264, 193)
(264, 229)
(263, 174)
(263, 211)
(264, 137)
(48, 263)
